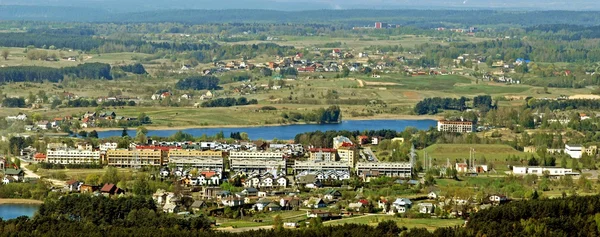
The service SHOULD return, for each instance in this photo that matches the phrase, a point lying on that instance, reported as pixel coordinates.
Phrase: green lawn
(496, 153)
(488, 89)
(430, 224)
(434, 83)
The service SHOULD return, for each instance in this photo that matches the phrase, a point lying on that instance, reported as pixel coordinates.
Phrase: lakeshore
(20, 201)
(162, 127)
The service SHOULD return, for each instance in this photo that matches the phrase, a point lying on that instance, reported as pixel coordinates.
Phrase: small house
(111, 189)
(251, 192)
(426, 208)
(402, 205)
(17, 174)
(74, 185)
(332, 194)
(198, 205)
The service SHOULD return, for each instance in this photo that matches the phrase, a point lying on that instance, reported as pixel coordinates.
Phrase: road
(31, 175)
(243, 229)
(369, 152)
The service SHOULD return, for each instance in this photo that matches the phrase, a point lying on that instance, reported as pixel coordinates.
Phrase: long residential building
(536, 170)
(274, 166)
(322, 154)
(255, 155)
(311, 166)
(72, 156)
(135, 157)
(390, 169)
(456, 126)
(203, 160)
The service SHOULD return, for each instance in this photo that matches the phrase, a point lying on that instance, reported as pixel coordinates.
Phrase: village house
(332, 194)
(315, 203)
(198, 205)
(74, 185)
(111, 189)
(86, 188)
(232, 201)
(426, 208)
(289, 203)
(402, 205)
(497, 199)
(261, 204)
(14, 175)
(43, 125)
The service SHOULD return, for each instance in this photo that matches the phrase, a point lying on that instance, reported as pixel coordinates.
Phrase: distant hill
(298, 5)
(348, 18)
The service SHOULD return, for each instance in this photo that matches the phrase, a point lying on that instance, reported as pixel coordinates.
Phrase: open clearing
(429, 224)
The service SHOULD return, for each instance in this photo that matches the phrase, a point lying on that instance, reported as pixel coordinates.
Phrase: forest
(198, 83)
(433, 105)
(563, 104)
(73, 215)
(40, 74)
(333, 114)
(325, 139)
(228, 102)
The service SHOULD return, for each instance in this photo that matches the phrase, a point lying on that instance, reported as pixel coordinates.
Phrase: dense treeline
(39, 74)
(136, 68)
(325, 139)
(198, 83)
(433, 105)
(235, 51)
(71, 41)
(13, 102)
(333, 114)
(77, 103)
(564, 32)
(228, 102)
(564, 104)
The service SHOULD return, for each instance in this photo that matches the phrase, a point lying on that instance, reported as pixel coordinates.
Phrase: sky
(144, 5)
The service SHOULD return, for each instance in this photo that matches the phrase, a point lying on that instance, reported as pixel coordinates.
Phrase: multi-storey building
(255, 155)
(274, 166)
(135, 157)
(390, 169)
(322, 154)
(456, 126)
(203, 160)
(72, 156)
(348, 155)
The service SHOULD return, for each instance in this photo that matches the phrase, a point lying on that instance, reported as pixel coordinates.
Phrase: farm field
(429, 224)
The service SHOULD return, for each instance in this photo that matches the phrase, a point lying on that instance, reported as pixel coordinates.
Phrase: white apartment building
(255, 155)
(456, 126)
(108, 146)
(274, 166)
(73, 156)
(390, 169)
(552, 171)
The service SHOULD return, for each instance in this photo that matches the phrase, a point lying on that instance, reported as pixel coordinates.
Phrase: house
(86, 188)
(74, 185)
(8, 179)
(497, 199)
(43, 125)
(170, 207)
(315, 203)
(186, 97)
(197, 205)
(17, 174)
(402, 205)
(111, 189)
(355, 206)
(426, 208)
(332, 194)
(20, 117)
(290, 225)
(261, 204)
(289, 203)
(39, 157)
(433, 195)
(282, 181)
(308, 181)
(318, 213)
(273, 207)
(251, 192)
(232, 201)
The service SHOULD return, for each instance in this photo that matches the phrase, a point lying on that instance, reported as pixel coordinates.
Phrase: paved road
(369, 152)
(243, 229)
(31, 175)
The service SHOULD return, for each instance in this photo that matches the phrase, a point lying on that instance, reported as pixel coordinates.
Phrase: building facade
(72, 156)
(390, 169)
(322, 154)
(456, 126)
(203, 160)
(135, 158)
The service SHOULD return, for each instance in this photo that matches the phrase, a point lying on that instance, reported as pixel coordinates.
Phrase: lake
(11, 211)
(288, 132)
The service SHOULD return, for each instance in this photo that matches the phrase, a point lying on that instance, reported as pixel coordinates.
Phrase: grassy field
(267, 219)
(496, 153)
(429, 224)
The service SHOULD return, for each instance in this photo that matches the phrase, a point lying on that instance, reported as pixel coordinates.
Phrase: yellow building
(133, 158)
(348, 155)
(209, 160)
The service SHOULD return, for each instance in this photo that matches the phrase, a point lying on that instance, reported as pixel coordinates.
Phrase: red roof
(331, 150)
(364, 201)
(347, 144)
(107, 188)
(39, 156)
(208, 174)
(71, 182)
